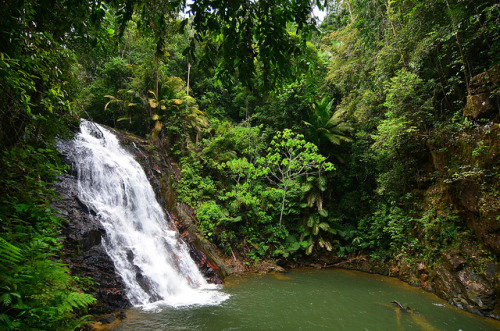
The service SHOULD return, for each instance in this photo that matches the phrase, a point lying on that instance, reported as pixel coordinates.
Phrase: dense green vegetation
(294, 139)
(36, 290)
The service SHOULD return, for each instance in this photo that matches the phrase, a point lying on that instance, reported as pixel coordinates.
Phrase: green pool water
(329, 299)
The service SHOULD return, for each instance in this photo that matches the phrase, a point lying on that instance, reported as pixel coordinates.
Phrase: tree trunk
(156, 79)
(283, 203)
(350, 10)
(459, 44)
(189, 72)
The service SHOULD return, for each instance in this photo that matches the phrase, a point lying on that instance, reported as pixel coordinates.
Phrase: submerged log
(401, 306)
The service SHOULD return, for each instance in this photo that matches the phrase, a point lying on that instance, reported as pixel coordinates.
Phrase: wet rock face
(480, 105)
(467, 170)
(455, 280)
(202, 251)
(84, 253)
(467, 290)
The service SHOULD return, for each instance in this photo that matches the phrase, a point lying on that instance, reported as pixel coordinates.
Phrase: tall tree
(289, 158)
(245, 31)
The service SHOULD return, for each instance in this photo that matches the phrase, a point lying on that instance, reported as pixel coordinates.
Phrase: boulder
(203, 252)
(460, 285)
(484, 99)
(477, 290)
(480, 106)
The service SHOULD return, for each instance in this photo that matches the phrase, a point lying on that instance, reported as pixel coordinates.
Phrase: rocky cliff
(461, 188)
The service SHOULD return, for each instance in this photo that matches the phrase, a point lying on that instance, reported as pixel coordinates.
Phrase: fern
(10, 255)
(76, 300)
(7, 298)
(6, 322)
(36, 291)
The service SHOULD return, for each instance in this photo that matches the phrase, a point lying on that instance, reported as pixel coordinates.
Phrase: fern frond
(87, 319)
(75, 300)
(6, 299)
(6, 322)
(10, 255)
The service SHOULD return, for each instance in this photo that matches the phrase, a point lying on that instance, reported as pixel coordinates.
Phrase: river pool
(330, 299)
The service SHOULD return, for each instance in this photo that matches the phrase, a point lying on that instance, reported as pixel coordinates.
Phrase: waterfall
(144, 245)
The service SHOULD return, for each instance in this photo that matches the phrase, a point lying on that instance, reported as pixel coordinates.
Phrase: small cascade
(144, 245)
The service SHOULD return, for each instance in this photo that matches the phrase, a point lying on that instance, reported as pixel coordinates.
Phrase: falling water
(145, 247)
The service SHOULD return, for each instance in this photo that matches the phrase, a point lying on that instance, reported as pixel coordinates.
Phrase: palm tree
(318, 230)
(193, 118)
(313, 189)
(125, 104)
(326, 127)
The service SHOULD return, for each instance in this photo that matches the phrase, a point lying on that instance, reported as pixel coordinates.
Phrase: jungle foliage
(294, 139)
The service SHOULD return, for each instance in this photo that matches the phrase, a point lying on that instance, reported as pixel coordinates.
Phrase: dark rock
(478, 290)
(466, 290)
(92, 239)
(456, 263)
(445, 284)
(491, 271)
(486, 81)
(466, 194)
(84, 253)
(271, 267)
(108, 319)
(407, 273)
(195, 239)
(487, 226)
(121, 315)
(145, 284)
(130, 256)
(478, 209)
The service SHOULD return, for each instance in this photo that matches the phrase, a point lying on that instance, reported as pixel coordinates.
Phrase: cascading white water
(144, 246)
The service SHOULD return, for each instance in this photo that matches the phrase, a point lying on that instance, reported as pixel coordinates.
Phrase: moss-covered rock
(484, 100)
